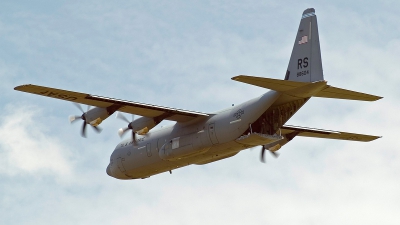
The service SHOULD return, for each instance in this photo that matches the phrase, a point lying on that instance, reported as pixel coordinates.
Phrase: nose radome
(108, 171)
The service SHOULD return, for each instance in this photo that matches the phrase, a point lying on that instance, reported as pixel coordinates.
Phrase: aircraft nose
(108, 171)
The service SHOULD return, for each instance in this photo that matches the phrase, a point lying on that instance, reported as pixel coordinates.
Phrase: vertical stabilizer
(305, 63)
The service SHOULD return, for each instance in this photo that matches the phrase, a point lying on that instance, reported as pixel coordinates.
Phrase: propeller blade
(122, 117)
(134, 138)
(275, 154)
(79, 107)
(83, 131)
(74, 118)
(262, 159)
(97, 129)
(83, 117)
(122, 131)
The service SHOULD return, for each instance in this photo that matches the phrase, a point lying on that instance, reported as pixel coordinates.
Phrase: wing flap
(136, 108)
(319, 133)
(255, 139)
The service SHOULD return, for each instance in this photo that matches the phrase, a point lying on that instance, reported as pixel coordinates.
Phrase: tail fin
(305, 63)
(304, 77)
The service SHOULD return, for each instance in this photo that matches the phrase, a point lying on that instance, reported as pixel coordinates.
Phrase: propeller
(73, 119)
(262, 158)
(123, 131)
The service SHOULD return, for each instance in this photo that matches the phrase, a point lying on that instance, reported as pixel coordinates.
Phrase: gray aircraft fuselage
(210, 139)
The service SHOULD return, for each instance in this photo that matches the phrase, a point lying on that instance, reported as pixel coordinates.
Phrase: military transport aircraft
(201, 138)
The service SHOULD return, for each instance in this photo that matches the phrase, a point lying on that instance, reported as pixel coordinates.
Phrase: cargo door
(160, 143)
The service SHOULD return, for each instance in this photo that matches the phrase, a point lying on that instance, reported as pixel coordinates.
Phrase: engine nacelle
(183, 147)
(142, 125)
(96, 115)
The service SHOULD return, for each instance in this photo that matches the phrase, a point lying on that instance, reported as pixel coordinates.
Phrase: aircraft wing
(318, 133)
(136, 108)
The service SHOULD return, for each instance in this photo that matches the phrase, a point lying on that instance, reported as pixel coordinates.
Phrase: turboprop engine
(139, 126)
(92, 117)
(96, 115)
(183, 147)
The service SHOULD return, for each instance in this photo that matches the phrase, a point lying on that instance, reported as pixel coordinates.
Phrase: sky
(182, 54)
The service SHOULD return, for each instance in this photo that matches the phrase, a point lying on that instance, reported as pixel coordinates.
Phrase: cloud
(26, 147)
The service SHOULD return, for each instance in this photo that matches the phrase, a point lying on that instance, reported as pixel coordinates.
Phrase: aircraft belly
(152, 169)
(217, 152)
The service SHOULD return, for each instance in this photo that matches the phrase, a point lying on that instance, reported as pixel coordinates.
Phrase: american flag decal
(303, 40)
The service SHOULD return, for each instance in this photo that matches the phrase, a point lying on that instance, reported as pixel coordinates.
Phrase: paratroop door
(148, 149)
(211, 132)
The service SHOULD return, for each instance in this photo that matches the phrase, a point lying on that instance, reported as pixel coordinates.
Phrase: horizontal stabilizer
(305, 89)
(269, 83)
(334, 92)
(318, 133)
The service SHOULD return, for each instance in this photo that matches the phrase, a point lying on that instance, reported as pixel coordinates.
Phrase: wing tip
(376, 137)
(364, 138)
(237, 78)
(373, 98)
(20, 87)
